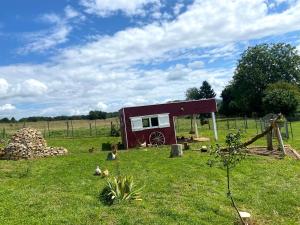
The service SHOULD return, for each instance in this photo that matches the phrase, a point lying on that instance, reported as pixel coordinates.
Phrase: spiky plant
(121, 188)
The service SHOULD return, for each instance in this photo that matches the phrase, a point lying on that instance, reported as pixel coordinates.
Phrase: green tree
(259, 66)
(228, 158)
(281, 97)
(192, 94)
(206, 91)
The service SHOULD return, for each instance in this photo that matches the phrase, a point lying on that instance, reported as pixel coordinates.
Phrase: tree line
(93, 115)
(266, 80)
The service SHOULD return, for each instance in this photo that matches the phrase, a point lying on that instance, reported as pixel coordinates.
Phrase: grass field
(185, 190)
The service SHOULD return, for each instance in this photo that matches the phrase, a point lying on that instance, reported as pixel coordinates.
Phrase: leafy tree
(206, 91)
(281, 97)
(97, 115)
(4, 120)
(229, 157)
(259, 66)
(192, 94)
(228, 106)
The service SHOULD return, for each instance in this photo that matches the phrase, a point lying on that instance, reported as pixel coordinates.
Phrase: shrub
(119, 189)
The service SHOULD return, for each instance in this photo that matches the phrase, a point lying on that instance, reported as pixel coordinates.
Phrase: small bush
(119, 189)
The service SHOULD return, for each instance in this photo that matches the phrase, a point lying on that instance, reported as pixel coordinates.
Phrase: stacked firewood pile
(28, 143)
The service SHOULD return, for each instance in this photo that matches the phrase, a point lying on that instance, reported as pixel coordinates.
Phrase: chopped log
(176, 150)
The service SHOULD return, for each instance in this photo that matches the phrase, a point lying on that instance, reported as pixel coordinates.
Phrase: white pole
(214, 125)
(196, 127)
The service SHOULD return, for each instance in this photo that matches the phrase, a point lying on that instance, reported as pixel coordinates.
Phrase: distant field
(52, 129)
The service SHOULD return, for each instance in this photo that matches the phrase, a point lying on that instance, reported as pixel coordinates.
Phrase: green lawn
(63, 190)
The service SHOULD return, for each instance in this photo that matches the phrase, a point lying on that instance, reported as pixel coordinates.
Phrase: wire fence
(108, 127)
(64, 129)
(251, 125)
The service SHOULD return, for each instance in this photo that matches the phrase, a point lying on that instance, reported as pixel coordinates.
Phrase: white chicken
(98, 171)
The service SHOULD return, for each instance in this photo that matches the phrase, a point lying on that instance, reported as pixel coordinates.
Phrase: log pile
(28, 143)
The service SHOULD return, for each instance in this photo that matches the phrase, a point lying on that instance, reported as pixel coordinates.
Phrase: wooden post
(280, 141)
(95, 124)
(269, 137)
(72, 128)
(48, 126)
(227, 124)
(261, 125)
(286, 126)
(256, 126)
(90, 129)
(67, 128)
(111, 125)
(245, 122)
(214, 125)
(291, 130)
(192, 131)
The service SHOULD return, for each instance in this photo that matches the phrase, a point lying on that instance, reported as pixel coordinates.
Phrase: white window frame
(162, 115)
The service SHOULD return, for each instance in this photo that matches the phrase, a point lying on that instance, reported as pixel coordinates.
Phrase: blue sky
(67, 57)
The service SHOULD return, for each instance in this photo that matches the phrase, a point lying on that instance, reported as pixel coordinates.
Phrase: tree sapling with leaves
(229, 157)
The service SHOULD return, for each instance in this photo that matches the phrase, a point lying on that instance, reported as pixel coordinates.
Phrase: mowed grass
(63, 190)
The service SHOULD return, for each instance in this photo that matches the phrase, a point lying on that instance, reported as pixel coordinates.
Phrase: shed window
(146, 122)
(164, 120)
(154, 121)
(136, 124)
(151, 121)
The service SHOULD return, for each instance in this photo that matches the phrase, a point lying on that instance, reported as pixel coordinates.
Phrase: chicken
(105, 173)
(98, 171)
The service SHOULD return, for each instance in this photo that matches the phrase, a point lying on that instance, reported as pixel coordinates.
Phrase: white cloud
(106, 8)
(33, 87)
(102, 106)
(192, 29)
(7, 107)
(56, 35)
(20, 89)
(196, 65)
(4, 86)
(177, 8)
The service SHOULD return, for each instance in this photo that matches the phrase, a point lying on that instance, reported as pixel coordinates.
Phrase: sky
(67, 57)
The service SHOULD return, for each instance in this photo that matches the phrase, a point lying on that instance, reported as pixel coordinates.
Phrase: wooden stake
(280, 141)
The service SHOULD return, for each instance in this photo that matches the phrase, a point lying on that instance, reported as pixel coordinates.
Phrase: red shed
(155, 124)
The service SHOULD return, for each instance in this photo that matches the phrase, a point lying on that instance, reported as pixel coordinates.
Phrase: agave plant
(121, 188)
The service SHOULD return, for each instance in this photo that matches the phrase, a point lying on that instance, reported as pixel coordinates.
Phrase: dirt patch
(262, 150)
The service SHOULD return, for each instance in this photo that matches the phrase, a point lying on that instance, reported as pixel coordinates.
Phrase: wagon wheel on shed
(157, 138)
